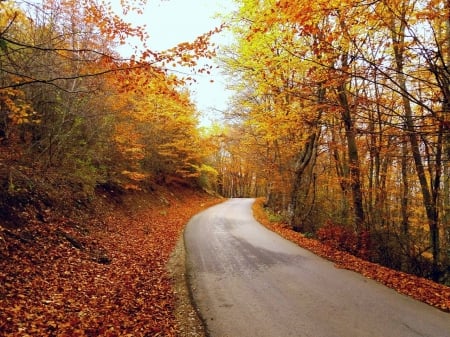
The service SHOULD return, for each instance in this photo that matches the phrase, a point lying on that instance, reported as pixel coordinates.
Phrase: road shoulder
(189, 323)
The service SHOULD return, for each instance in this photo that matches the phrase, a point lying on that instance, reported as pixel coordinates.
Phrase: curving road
(247, 281)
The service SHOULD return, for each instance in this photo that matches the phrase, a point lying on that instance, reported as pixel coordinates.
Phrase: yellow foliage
(10, 13)
(136, 176)
(17, 109)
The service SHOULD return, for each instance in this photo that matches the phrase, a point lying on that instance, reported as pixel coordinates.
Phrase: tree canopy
(72, 107)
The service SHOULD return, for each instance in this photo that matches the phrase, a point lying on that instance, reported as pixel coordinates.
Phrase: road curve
(246, 281)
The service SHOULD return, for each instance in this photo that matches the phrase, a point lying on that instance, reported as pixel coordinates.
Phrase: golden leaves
(156, 126)
(18, 110)
(9, 14)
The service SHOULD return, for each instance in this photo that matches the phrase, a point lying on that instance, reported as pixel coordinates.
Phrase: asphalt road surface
(247, 281)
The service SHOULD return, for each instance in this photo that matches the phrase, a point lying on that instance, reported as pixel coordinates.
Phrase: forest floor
(105, 276)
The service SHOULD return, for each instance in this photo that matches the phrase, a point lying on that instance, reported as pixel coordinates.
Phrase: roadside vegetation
(335, 247)
(102, 163)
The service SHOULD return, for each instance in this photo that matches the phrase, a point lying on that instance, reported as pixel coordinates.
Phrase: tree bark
(305, 158)
(352, 150)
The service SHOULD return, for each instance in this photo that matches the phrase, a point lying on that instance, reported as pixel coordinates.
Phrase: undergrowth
(422, 289)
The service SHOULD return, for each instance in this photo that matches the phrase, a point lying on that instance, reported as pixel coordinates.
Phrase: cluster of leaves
(347, 240)
(108, 278)
(422, 289)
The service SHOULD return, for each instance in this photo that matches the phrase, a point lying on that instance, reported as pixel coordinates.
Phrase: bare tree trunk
(398, 39)
(352, 150)
(405, 192)
(342, 174)
(305, 158)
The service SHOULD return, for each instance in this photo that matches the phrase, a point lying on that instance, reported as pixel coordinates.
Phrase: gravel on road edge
(189, 322)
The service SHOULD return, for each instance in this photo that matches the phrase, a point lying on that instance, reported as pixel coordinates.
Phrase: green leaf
(3, 45)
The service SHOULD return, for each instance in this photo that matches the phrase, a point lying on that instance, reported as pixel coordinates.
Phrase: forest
(341, 119)
(340, 123)
(101, 159)
(76, 115)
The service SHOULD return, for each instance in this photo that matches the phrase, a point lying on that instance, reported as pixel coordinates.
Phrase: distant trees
(350, 101)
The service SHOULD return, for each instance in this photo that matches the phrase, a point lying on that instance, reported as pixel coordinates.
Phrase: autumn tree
(74, 113)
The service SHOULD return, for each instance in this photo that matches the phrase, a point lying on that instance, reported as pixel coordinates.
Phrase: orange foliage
(344, 239)
(105, 279)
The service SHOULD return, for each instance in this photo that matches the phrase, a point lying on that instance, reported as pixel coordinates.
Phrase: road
(247, 281)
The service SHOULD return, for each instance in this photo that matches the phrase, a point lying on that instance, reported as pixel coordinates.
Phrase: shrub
(342, 238)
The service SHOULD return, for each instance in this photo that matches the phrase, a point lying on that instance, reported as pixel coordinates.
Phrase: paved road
(248, 282)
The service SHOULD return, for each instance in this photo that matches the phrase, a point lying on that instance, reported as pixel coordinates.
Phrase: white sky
(170, 22)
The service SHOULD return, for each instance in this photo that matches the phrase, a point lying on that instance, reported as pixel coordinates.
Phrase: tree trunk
(405, 192)
(305, 158)
(398, 39)
(352, 151)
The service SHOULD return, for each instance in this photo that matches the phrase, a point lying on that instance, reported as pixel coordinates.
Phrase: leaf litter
(105, 278)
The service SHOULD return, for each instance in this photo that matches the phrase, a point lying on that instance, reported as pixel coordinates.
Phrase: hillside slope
(104, 275)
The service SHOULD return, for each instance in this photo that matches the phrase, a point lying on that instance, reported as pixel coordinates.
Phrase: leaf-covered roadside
(421, 289)
(107, 278)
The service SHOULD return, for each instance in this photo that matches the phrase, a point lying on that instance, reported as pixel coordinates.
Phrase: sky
(170, 22)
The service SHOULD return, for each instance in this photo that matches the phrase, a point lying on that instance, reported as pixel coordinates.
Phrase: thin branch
(8, 26)
(53, 49)
(52, 80)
